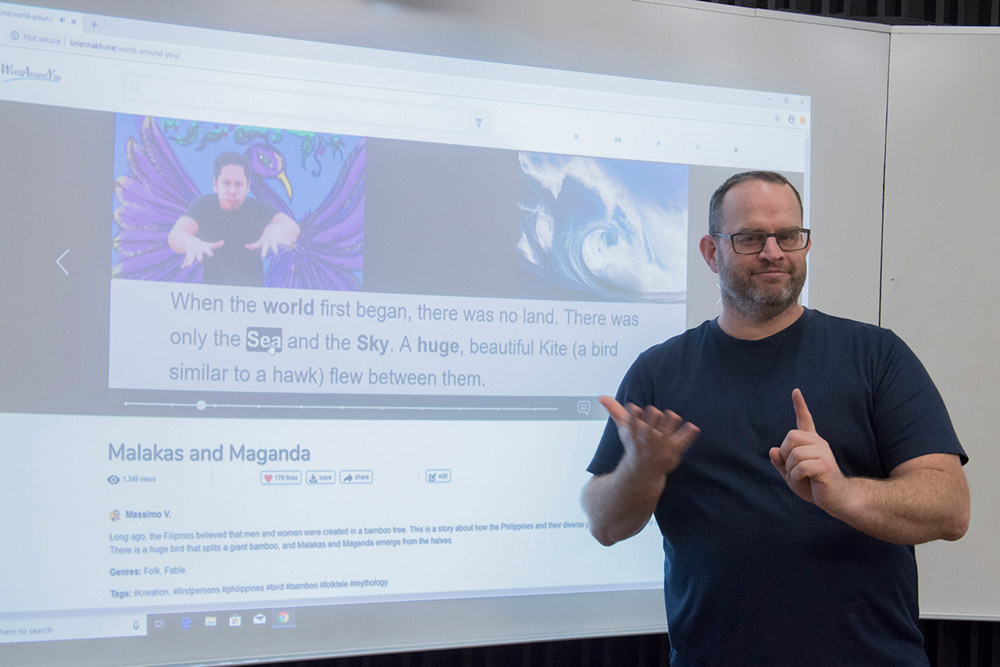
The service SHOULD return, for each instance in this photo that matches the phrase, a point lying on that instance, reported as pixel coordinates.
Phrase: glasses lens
(793, 239)
(749, 242)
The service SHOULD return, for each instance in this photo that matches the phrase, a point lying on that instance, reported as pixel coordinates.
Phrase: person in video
(229, 232)
(791, 460)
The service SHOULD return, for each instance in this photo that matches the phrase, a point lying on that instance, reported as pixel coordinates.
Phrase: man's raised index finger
(803, 418)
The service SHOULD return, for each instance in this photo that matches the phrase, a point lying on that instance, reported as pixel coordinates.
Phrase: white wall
(941, 274)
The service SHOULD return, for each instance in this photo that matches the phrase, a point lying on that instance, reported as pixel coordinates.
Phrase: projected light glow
(387, 432)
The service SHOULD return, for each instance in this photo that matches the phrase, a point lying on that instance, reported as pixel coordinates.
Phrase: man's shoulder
(259, 207)
(847, 328)
(203, 204)
(844, 341)
(678, 344)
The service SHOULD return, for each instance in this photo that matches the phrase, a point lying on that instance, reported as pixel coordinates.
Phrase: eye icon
(114, 479)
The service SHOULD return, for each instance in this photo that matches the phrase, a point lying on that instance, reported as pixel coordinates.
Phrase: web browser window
(301, 336)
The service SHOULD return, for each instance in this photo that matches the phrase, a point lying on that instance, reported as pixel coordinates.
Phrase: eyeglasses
(751, 243)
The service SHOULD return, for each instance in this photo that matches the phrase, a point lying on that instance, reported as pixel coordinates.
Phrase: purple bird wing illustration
(329, 252)
(151, 198)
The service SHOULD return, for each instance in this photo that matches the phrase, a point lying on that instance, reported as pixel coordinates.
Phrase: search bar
(55, 628)
(336, 103)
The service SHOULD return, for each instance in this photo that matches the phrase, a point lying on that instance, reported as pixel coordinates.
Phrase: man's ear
(708, 251)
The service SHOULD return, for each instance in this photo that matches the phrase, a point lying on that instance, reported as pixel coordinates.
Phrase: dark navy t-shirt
(232, 264)
(754, 575)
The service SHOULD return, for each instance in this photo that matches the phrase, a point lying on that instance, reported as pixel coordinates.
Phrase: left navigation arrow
(59, 262)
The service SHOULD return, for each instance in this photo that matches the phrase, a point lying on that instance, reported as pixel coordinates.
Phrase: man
(816, 453)
(248, 224)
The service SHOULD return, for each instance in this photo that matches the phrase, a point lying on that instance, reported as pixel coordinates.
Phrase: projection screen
(358, 419)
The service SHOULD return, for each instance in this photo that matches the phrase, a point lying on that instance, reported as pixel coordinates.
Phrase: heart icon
(267, 478)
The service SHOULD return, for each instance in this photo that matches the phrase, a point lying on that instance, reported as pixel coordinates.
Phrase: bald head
(715, 213)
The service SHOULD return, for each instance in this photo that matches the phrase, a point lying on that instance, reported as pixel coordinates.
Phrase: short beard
(740, 294)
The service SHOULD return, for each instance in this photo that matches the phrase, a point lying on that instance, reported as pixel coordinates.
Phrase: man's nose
(771, 250)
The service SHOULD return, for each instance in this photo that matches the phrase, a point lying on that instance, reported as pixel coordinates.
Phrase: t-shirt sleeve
(610, 449)
(202, 207)
(262, 209)
(910, 417)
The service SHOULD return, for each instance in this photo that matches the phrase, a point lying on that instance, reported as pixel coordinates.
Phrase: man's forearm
(183, 231)
(918, 507)
(288, 228)
(620, 503)
(177, 240)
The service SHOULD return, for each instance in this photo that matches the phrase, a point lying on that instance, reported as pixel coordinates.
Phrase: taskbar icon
(234, 619)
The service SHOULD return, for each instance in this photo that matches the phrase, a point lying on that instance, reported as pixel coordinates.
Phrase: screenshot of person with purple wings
(253, 227)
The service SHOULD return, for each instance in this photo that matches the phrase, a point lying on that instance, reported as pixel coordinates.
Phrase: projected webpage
(304, 325)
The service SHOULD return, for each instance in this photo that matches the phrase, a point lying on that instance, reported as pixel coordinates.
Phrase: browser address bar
(340, 103)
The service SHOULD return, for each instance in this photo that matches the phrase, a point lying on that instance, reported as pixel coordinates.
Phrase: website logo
(10, 72)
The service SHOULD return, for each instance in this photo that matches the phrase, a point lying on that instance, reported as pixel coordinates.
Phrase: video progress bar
(203, 405)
